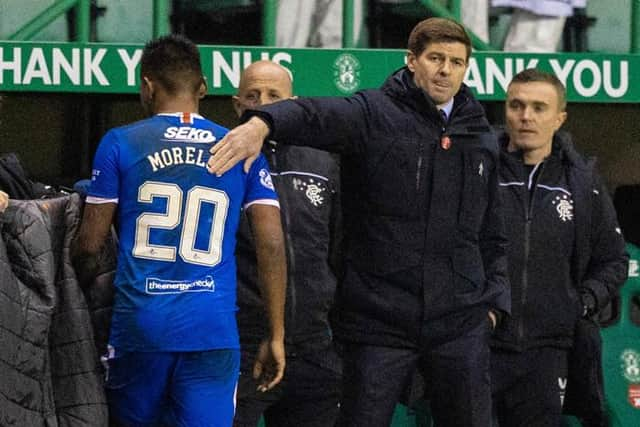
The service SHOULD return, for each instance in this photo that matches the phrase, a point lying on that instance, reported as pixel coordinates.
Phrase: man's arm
(336, 253)
(94, 229)
(493, 247)
(272, 269)
(327, 123)
(608, 265)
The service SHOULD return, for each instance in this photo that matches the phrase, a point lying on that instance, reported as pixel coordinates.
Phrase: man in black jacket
(566, 252)
(425, 262)
(307, 182)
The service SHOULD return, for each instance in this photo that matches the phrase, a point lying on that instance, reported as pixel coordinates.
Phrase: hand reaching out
(242, 142)
(4, 201)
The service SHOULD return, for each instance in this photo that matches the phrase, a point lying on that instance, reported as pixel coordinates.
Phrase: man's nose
(263, 99)
(446, 67)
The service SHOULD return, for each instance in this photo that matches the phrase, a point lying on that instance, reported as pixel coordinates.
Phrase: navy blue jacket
(565, 244)
(308, 186)
(424, 244)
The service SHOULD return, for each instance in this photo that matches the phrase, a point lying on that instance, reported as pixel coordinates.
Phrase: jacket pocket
(469, 270)
(452, 283)
(475, 190)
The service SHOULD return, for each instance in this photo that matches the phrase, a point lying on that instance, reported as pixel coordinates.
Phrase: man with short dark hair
(174, 354)
(425, 264)
(566, 255)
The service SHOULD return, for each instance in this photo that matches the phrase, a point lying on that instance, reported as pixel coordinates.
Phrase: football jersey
(175, 284)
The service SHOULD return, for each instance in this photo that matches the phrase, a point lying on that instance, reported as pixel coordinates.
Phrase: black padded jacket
(50, 373)
(308, 185)
(424, 245)
(565, 246)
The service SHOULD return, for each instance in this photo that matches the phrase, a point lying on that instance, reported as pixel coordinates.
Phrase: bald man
(307, 182)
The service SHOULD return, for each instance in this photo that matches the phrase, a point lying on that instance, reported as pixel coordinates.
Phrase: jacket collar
(562, 148)
(400, 85)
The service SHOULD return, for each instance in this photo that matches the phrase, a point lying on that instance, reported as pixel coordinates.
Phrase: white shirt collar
(446, 107)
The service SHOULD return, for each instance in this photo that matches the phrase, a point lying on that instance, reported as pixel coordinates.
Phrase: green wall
(612, 29)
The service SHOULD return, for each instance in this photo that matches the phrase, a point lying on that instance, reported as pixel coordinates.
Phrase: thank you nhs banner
(108, 68)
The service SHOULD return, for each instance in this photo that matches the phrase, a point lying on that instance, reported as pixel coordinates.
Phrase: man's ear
(202, 90)
(562, 117)
(237, 106)
(147, 88)
(411, 61)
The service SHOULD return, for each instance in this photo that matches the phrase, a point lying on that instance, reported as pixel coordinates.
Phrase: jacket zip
(419, 171)
(421, 157)
(284, 211)
(528, 211)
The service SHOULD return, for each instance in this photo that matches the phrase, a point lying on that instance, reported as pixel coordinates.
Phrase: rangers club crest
(564, 207)
(313, 189)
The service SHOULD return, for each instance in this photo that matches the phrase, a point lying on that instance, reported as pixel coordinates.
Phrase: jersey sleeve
(105, 176)
(260, 189)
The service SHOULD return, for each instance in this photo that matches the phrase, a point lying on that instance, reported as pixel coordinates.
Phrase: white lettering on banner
(621, 90)
(473, 79)
(50, 70)
(484, 83)
(633, 268)
(37, 68)
(15, 65)
(281, 57)
(95, 67)
(502, 75)
(92, 66)
(71, 69)
(580, 70)
(596, 77)
(562, 71)
(130, 64)
(586, 76)
(247, 58)
(232, 71)
(520, 64)
(219, 65)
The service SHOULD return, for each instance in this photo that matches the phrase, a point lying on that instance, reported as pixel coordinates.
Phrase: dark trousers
(308, 396)
(529, 387)
(456, 373)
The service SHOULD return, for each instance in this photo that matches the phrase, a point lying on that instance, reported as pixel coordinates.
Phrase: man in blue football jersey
(173, 356)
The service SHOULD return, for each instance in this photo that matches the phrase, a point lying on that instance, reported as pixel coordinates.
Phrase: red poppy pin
(445, 142)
